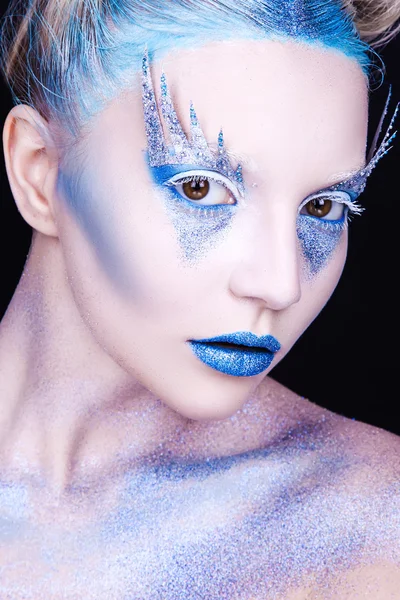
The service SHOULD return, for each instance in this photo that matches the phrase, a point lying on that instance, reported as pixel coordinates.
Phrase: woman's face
(151, 269)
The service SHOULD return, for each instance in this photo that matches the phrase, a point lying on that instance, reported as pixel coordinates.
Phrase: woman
(145, 454)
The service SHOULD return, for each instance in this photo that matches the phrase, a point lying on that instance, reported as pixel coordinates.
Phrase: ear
(32, 166)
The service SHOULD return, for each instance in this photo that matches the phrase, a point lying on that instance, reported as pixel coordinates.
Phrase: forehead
(293, 113)
(272, 98)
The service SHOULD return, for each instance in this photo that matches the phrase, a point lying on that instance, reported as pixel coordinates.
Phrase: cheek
(126, 229)
(322, 265)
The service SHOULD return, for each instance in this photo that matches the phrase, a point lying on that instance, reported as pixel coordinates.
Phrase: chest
(229, 529)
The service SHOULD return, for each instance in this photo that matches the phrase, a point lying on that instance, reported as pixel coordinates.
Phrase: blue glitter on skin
(164, 161)
(319, 239)
(319, 236)
(180, 149)
(163, 174)
(14, 511)
(248, 514)
(213, 527)
(198, 227)
(193, 240)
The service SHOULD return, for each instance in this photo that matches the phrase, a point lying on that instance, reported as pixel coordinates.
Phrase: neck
(70, 412)
(65, 403)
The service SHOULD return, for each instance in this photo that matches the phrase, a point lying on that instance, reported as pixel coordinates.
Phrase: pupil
(196, 190)
(319, 207)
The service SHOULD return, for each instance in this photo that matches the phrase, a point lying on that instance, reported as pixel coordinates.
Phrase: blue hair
(92, 50)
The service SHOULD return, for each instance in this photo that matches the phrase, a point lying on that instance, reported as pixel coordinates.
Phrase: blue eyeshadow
(198, 227)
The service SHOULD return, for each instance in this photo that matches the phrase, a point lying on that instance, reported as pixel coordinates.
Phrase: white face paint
(294, 116)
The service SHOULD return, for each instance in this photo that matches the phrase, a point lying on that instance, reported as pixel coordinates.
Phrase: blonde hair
(66, 58)
(377, 21)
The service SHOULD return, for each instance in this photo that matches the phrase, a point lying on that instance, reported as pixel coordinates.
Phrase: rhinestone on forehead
(357, 182)
(195, 151)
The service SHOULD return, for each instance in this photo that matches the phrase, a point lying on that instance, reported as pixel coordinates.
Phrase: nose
(267, 265)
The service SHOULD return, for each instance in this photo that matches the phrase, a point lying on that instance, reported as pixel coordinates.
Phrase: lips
(241, 354)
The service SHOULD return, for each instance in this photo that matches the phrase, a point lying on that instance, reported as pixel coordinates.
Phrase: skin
(95, 334)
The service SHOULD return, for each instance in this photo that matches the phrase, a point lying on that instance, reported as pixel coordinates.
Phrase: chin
(211, 403)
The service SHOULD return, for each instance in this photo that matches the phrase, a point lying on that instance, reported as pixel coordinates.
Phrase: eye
(328, 207)
(206, 188)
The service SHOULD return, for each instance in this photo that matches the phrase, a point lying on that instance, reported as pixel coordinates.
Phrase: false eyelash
(351, 208)
(192, 178)
(354, 208)
(197, 178)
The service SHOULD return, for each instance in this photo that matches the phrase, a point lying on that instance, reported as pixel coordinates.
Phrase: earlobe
(31, 161)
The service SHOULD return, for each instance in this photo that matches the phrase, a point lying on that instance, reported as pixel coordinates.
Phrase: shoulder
(379, 581)
(374, 452)
(370, 448)
(348, 475)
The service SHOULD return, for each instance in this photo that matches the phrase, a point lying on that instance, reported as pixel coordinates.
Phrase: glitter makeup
(198, 227)
(319, 237)
(355, 184)
(181, 161)
(318, 242)
(252, 525)
(181, 151)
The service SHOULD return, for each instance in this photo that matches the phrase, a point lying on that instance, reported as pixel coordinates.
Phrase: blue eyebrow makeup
(197, 225)
(181, 151)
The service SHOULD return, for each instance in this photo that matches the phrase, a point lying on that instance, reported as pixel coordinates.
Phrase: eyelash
(218, 178)
(352, 207)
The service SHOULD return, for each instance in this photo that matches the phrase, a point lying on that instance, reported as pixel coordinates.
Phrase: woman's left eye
(203, 189)
(324, 207)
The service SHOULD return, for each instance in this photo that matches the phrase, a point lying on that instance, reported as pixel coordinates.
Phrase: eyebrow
(343, 176)
(336, 178)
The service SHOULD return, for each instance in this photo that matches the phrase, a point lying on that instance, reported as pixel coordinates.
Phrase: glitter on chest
(223, 528)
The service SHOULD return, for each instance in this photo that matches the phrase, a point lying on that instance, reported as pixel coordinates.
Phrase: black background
(347, 359)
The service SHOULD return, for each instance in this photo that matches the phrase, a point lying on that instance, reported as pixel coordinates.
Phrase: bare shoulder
(371, 449)
(380, 581)
(348, 478)
(374, 452)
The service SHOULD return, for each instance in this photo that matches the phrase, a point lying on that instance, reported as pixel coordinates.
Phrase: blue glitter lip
(252, 356)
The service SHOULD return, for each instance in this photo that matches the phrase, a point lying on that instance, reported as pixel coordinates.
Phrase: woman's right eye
(204, 189)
